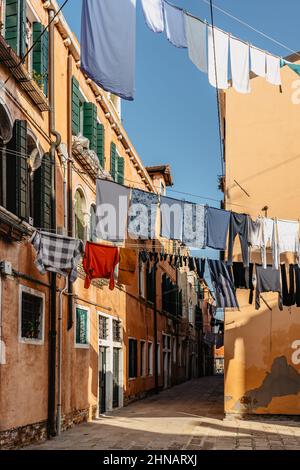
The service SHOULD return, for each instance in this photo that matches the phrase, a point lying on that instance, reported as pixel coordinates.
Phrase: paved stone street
(186, 417)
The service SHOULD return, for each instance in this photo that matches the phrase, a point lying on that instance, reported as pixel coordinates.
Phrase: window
(150, 285)
(31, 316)
(92, 236)
(180, 354)
(158, 359)
(142, 275)
(82, 327)
(191, 313)
(103, 327)
(132, 358)
(117, 336)
(79, 213)
(174, 351)
(84, 117)
(150, 358)
(143, 358)
(101, 144)
(117, 165)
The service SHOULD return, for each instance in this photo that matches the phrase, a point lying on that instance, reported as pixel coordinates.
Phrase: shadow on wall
(283, 380)
(260, 355)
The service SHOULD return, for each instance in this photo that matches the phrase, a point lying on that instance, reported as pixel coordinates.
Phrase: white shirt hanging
(273, 70)
(240, 68)
(218, 44)
(258, 62)
(153, 12)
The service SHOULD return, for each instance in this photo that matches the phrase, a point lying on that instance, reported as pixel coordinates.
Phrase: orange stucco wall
(262, 366)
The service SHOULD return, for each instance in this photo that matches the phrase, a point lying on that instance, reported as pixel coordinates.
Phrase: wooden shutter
(43, 194)
(120, 169)
(113, 159)
(90, 124)
(101, 144)
(17, 171)
(75, 107)
(15, 25)
(40, 53)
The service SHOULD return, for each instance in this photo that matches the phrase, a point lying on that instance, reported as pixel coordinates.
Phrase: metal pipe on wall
(69, 177)
(59, 364)
(53, 314)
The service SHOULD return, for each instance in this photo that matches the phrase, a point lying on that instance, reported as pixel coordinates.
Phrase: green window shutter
(120, 169)
(15, 25)
(40, 54)
(81, 326)
(43, 194)
(90, 124)
(17, 171)
(113, 159)
(75, 107)
(101, 144)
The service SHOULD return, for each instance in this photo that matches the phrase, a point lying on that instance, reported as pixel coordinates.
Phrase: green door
(116, 385)
(102, 380)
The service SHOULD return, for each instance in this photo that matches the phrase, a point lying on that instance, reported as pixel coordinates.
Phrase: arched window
(92, 236)
(79, 212)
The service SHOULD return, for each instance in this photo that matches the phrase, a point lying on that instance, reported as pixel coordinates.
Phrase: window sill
(82, 346)
(32, 342)
(13, 228)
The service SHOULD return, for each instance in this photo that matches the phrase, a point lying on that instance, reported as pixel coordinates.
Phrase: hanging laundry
(99, 262)
(258, 62)
(267, 280)
(174, 25)
(273, 70)
(287, 239)
(223, 284)
(291, 65)
(239, 226)
(142, 215)
(171, 211)
(191, 263)
(255, 233)
(112, 202)
(288, 293)
(153, 12)
(57, 254)
(268, 238)
(127, 266)
(193, 225)
(196, 33)
(217, 224)
(243, 278)
(297, 283)
(218, 44)
(240, 67)
(108, 31)
(200, 267)
(144, 256)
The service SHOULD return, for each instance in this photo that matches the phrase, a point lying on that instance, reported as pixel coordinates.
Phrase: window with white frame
(174, 350)
(150, 358)
(82, 327)
(142, 358)
(158, 359)
(32, 314)
(142, 275)
(117, 331)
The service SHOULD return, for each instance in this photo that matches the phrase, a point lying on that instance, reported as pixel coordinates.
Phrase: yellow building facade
(262, 347)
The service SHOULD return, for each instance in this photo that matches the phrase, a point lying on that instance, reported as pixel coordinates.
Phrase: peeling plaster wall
(262, 348)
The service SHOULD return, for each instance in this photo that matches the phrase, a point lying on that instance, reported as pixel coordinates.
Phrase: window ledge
(13, 228)
(11, 60)
(87, 158)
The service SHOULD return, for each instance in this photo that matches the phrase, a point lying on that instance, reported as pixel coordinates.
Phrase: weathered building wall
(262, 365)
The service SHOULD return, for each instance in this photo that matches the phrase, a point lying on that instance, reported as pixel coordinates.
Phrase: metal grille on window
(31, 316)
(103, 328)
(116, 330)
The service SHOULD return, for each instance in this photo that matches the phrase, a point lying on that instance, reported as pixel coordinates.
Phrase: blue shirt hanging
(108, 31)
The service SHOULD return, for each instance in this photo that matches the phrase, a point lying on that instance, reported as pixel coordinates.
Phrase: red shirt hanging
(99, 262)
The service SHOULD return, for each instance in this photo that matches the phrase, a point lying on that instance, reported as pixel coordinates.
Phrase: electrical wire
(244, 23)
(217, 89)
(22, 60)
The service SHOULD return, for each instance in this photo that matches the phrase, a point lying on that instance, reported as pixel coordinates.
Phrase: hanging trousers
(239, 226)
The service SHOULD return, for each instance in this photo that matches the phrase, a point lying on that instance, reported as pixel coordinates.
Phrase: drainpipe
(69, 178)
(59, 365)
(54, 145)
(155, 329)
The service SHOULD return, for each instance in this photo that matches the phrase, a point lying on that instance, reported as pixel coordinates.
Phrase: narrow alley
(186, 417)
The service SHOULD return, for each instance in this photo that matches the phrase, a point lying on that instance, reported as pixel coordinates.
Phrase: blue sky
(173, 118)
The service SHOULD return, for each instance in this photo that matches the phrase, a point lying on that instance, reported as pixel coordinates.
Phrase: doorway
(102, 379)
